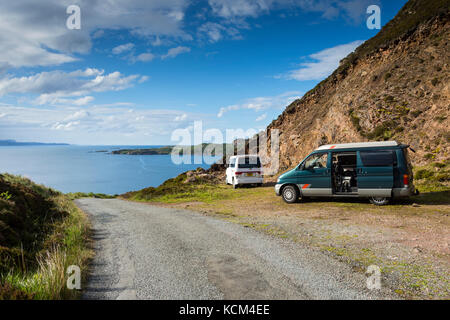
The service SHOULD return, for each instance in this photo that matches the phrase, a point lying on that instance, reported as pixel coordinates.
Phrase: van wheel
(379, 201)
(235, 185)
(290, 194)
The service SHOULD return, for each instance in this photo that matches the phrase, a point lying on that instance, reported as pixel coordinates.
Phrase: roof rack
(359, 145)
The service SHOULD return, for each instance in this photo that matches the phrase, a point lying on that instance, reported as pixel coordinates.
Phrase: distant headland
(8, 143)
(166, 150)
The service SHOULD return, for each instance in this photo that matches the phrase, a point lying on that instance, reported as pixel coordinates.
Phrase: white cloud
(157, 42)
(233, 10)
(34, 33)
(98, 34)
(262, 103)
(53, 86)
(325, 62)
(172, 53)
(239, 8)
(261, 117)
(215, 32)
(145, 57)
(143, 79)
(123, 48)
(98, 124)
(54, 100)
(181, 117)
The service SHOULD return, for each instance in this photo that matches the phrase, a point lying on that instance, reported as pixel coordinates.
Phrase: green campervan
(379, 171)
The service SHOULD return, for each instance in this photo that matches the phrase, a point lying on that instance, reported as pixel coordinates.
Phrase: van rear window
(378, 158)
(249, 162)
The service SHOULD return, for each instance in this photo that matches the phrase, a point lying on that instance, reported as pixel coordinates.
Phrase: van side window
(315, 161)
(378, 158)
(232, 162)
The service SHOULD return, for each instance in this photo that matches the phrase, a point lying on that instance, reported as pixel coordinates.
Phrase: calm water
(81, 169)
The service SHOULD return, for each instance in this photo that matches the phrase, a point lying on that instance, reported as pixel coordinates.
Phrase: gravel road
(149, 252)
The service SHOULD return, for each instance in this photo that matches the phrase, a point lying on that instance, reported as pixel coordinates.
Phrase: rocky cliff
(395, 86)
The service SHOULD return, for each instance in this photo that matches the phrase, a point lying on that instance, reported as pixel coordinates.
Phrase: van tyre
(290, 194)
(235, 185)
(379, 201)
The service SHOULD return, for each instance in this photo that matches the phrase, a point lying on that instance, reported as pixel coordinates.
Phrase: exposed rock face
(394, 87)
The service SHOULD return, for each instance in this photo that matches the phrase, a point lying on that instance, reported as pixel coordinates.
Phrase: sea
(72, 168)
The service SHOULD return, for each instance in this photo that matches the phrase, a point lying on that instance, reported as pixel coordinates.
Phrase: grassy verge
(42, 233)
(176, 190)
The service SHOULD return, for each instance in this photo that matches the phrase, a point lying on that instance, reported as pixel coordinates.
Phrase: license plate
(249, 174)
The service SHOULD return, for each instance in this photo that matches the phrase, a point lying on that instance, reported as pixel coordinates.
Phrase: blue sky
(138, 70)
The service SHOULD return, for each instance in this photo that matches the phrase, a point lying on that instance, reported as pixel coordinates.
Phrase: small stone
(417, 249)
(415, 205)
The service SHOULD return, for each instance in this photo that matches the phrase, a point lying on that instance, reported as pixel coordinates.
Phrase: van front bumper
(278, 188)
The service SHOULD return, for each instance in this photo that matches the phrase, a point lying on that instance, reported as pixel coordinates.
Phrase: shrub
(423, 174)
(443, 177)
(429, 156)
(5, 195)
(439, 164)
(416, 113)
(8, 292)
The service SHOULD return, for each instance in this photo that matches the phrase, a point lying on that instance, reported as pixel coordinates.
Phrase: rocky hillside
(395, 86)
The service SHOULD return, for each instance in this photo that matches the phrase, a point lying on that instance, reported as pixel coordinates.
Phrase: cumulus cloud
(35, 34)
(100, 124)
(123, 48)
(181, 117)
(323, 64)
(55, 100)
(236, 8)
(353, 10)
(215, 32)
(262, 103)
(173, 52)
(144, 57)
(53, 86)
(261, 117)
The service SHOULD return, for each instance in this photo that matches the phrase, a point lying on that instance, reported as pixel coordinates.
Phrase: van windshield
(249, 162)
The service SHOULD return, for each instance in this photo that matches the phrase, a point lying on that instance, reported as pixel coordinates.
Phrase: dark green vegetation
(41, 233)
(177, 149)
(433, 181)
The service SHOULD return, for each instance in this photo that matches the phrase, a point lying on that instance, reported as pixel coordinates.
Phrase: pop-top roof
(359, 145)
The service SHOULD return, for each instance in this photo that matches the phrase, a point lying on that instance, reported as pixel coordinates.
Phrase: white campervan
(244, 169)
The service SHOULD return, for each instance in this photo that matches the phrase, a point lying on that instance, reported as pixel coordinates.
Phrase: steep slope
(394, 86)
